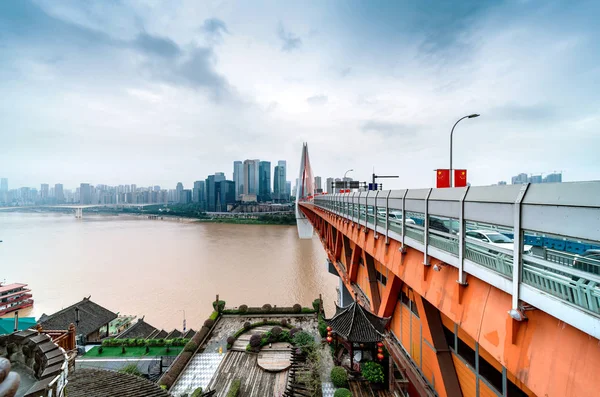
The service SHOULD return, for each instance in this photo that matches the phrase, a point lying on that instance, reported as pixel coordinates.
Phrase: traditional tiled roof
(189, 334)
(357, 324)
(141, 329)
(87, 382)
(91, 317)
(174, 334)
(162, 334)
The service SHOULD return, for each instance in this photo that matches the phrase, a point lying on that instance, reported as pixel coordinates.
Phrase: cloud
(155, 45)
(524, 113)
(388, 129)
(317, 100)
(290, 41)
(214, 28)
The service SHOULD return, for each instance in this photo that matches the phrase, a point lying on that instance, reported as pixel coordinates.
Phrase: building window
(465, 351)
(360, 261)
(490, 373)
(404, 299)
(413, 308)
(450, 339)
(513, 391)
(380, 277)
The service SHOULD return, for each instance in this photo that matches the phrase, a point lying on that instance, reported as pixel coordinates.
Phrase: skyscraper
(4, 185)
(185, 196)
(238, 178)
(85, 193)
(288, 190)
(199, 193)
(251, 174)
(264, 181)
(535, 179)
(59, 194)
(178, 191)
(212, 190)
(279, 180)
(328, 187)
(225, 195)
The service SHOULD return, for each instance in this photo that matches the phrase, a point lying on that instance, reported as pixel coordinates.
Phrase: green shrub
(130, 369)
(322, 328)
(147, 349)
(276, 331)
(100, 349)
(285, 336)
(304, 341)
(267, 307)
(140, 342)
(316, 304)
(255, 340)
(247, 325)
(209, 323)
(213, 316)
(339, 377)
(230, 340)
(123, 350)
(197, 392)
(234, 389)
(297, 308)
(294, 331)
(307, 310)
(342, 393)
(219, 306)
(243, 308)
(190, 347)
(373, 372)
(284, 323)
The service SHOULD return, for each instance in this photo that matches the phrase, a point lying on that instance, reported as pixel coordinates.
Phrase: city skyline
(121, 93)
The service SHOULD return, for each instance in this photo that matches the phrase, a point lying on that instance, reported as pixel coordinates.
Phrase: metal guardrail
(569, 210)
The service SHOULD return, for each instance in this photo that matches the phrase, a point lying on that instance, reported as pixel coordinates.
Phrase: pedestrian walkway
(328, 389)
(197, 374)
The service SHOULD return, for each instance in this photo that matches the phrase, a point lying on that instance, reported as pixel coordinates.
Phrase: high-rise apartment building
(238, 178)
(264, 181)
(44, 190)
(251, 176)
(212, 190)
(519, 179)
(85, 193)
(59, 194)
(185, 196)
(288, 190)
(535, 179)
(318, 187)
(4, 185)
(553, 178)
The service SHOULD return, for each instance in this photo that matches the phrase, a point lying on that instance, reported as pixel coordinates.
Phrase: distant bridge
(79, 207)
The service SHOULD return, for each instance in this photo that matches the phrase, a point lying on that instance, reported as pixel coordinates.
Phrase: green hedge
(113, 342)
(197, 392)
(213, 316)
(273, 310)
(235, 388)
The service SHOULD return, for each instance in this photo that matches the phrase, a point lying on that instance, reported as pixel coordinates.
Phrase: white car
(496, 239)
(396, 216)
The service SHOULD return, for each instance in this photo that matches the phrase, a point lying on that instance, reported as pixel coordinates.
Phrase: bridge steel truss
(548, 346)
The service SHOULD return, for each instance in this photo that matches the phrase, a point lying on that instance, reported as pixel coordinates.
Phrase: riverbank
(177, 214)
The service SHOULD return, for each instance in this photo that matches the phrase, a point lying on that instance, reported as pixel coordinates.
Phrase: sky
(157, 92)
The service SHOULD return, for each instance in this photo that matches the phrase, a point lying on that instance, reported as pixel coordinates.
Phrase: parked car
(396, 216)
(589, 261)
(495, 238)
(450, 226)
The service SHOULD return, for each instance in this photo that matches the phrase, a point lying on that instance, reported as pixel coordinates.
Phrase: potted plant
(373, 373)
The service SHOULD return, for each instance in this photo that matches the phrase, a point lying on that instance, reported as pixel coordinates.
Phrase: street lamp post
(345, 181)
(471, 116)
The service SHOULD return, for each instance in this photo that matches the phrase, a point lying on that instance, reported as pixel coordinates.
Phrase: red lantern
(329, 329)
(380, 356)
(379, 344)
(329, 339)
(379, 350)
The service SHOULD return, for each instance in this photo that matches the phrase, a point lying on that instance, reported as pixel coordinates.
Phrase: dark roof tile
(86, 382)
(357, 324)
(141, 329)
(91, 317)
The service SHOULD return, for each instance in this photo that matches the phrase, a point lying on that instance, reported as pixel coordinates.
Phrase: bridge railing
(534, 241)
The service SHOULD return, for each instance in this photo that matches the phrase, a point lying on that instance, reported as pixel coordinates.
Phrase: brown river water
(158, 268)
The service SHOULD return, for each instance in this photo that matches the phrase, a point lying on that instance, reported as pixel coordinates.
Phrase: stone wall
(36, 352)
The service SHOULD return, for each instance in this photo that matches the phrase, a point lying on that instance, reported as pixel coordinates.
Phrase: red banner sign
(460, 178)
(442, 178)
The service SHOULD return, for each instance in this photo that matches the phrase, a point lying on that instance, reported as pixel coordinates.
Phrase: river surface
(157, 268)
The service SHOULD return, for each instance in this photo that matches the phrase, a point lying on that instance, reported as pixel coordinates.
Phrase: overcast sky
(156, 92)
